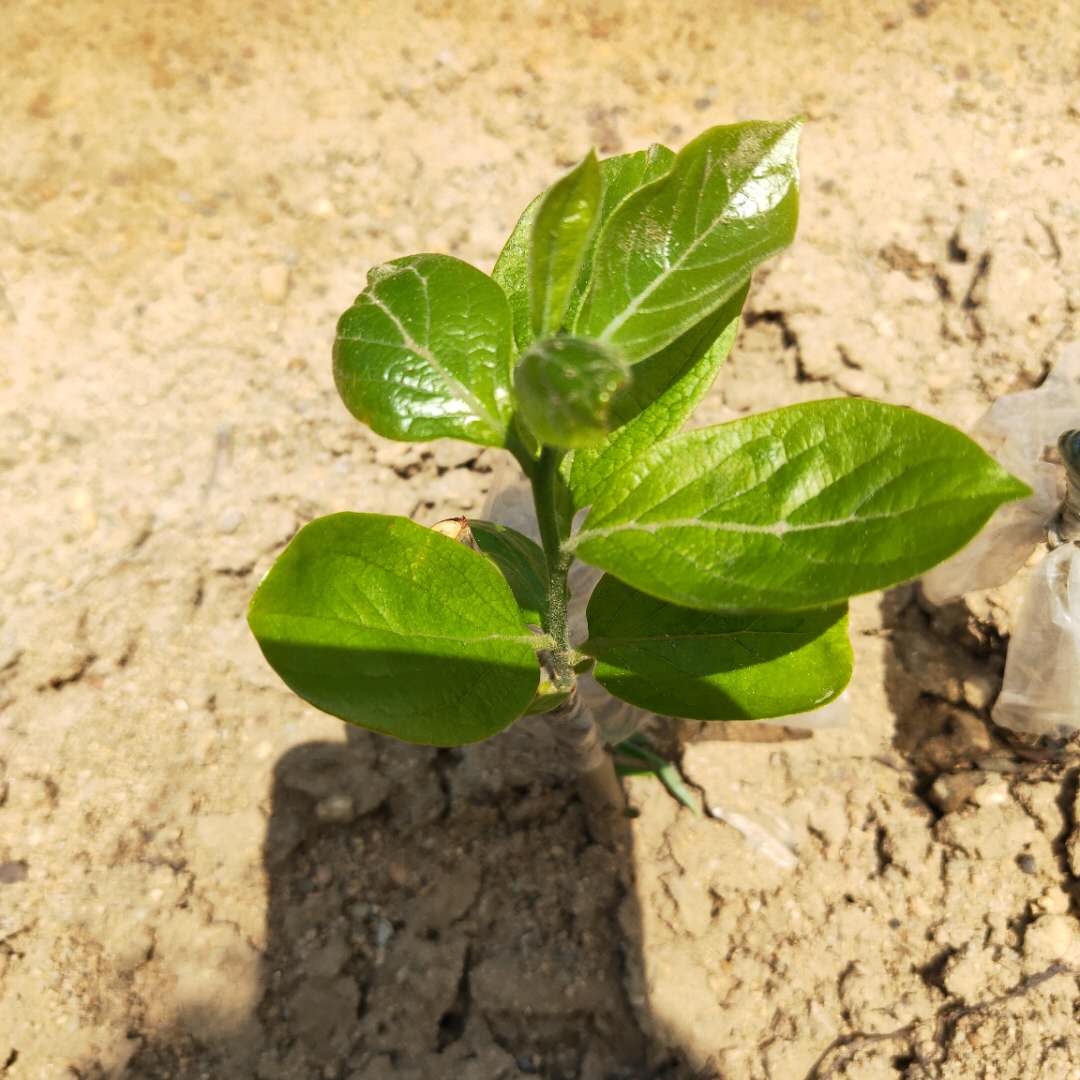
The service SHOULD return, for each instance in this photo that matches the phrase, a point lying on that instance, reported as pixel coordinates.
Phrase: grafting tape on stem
(578, 735)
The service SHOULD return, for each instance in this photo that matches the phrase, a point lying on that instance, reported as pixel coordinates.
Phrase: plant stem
(554, 528)
(598, 784)
(572, 722)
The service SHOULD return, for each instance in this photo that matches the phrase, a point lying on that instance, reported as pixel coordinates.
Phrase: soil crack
(945, 1021)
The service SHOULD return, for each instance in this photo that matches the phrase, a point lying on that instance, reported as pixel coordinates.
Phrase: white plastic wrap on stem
(509, 502)
(578, 735)
(1040, 694)
(582, 743)
(1020, 431)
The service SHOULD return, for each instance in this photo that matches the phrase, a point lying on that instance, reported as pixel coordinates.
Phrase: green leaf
(803, 506)
(511, 272)
(562, 229)
(701, 665)
(520, 561)
(565, 387)
(663, 391)
(667, 772)
(425, 352)
(620, 176)
(677, 248)
(396, 628)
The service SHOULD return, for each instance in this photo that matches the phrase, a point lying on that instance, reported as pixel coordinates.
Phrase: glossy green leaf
(565, 222)
(663, 391)
(790, 509)
(702, 665)
(565, 387)
(511, 272)
(521, 562)
(425, 352)
(620, 176)
(396, 628)
(678, 248)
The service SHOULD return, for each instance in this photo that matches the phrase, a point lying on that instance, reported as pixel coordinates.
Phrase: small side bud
(457, 528)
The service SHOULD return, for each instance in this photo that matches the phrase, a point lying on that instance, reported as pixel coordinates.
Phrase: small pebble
(274, 283)
(1052, 939)
(230, 521)
(951, 790)
(1052, 902)
(384, 931)
(11, 873)
(335, 810)
(993, 792)
(980, 690)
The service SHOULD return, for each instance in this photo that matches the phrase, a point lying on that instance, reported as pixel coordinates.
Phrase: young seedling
(729, 552)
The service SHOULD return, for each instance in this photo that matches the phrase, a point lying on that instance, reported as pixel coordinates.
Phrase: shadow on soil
(433, 914)
(447, 914)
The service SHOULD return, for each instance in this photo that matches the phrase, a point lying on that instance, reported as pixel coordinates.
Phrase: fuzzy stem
(572, 722)
(553, 529)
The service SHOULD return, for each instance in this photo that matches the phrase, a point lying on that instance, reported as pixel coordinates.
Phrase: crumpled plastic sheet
(510, 502)
(1021, 431)
(1040, 692)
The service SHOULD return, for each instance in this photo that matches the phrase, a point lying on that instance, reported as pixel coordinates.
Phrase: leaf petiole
(637, 746)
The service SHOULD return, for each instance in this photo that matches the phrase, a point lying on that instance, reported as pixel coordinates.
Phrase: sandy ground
(200, 877)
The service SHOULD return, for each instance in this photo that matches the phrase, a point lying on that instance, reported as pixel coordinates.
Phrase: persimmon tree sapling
(729, 552)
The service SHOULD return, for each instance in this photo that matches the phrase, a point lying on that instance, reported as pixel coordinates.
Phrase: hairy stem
(574, 726)
(554, 528)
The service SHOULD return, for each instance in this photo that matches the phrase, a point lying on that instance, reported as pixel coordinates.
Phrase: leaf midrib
(778, 529)
(422, 352)
(599, 642)
(670, 269)
(534, 641)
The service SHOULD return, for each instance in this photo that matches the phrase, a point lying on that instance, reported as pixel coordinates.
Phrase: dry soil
(202, 878)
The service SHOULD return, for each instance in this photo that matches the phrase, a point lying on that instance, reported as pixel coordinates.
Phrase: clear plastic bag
(1040, 694)
(1021, 431)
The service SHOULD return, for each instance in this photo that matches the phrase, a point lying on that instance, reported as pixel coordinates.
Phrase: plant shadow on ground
(433, 913)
